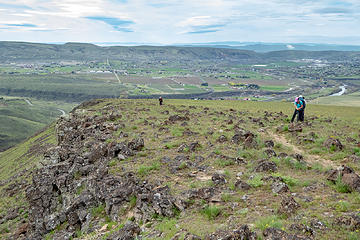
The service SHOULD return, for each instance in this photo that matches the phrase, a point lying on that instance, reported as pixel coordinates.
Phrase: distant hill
(268, 47)
(30, 52)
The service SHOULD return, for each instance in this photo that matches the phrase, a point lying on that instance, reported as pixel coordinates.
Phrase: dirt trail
(310, 158)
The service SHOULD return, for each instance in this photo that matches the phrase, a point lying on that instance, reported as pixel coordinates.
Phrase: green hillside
(20, 119)
(199, 169)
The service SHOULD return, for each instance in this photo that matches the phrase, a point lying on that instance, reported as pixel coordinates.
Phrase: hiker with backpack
(302, 111)
(160, 101)
(299, 110)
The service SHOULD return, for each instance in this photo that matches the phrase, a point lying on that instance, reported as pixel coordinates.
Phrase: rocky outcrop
(74, 181)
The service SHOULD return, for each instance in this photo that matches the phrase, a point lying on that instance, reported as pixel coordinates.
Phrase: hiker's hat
(300, 96)
(296, 99)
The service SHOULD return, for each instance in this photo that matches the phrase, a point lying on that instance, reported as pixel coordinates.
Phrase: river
(343, 90)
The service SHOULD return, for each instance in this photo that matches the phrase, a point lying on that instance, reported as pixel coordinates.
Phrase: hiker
(160, 101)
(302, 112)
(298, 109)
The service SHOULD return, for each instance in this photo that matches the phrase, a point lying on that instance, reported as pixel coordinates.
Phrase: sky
(181, 21)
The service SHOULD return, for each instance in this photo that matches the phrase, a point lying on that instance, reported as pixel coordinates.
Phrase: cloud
(13, 6)
(178, 21)
(202, 24)
(332, 10)
(22, 25)
(117, 23)
(289, 46)
(203, 31)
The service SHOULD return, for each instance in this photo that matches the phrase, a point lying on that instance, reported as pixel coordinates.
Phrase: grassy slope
(19, 120)
(16, 165)
(326, 200)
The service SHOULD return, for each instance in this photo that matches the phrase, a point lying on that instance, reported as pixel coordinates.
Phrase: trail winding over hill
(310, 158)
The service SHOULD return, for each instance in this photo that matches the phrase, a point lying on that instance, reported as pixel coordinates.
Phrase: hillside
(23, 117)
(117, 169)
(14, 52)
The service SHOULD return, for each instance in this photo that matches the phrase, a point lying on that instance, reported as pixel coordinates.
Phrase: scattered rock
(282, 155)
(318, 225)
(348, 177)
(279, 187)
(333, 143)
(128, 232)
(270, 152)
(303, 229)
(352, 180)
(218, 179)
(241, 185)
(295, 128)
(298, 157)
(175, 118)
(351, 221)
(242, 232)
(194, 146)
(136, 144)
(266, 166)
(183, 148)
(222, 139)
(185, 236)
(288, 205)
(269, 144)
(278, 234)
(354, 158)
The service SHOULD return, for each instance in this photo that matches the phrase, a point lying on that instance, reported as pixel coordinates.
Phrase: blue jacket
(299, 104)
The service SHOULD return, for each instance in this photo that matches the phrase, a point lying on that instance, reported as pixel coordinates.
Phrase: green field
(352, 99)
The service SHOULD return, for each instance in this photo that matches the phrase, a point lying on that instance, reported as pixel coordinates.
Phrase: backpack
(304, 102)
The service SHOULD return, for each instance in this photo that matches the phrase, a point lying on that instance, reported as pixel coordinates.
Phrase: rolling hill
(130, 169)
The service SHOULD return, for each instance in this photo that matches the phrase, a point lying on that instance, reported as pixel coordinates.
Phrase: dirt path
(310, 158)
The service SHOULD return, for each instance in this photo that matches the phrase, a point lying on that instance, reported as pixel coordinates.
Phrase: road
(28, 102)
(63, 113)
(117, 77)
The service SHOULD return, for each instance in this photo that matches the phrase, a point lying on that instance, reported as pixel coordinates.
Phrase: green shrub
(269, 221)
(183, 165)
(352, 236)
(98, 211)
(211, 212)
(256, 181)
(357, 151)
(224, 163)
(113, 162)
(342, 206)
(167, 227)
(226, 197)
(145, 170)
(287, 179)
(132, 201)
(177, 132)
(340, 186)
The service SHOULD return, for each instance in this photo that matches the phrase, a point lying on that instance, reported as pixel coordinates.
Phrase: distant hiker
(299, 110)
(160, 100)
(303, 109)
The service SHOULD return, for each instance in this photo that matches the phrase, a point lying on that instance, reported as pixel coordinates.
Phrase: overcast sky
(180, 21)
